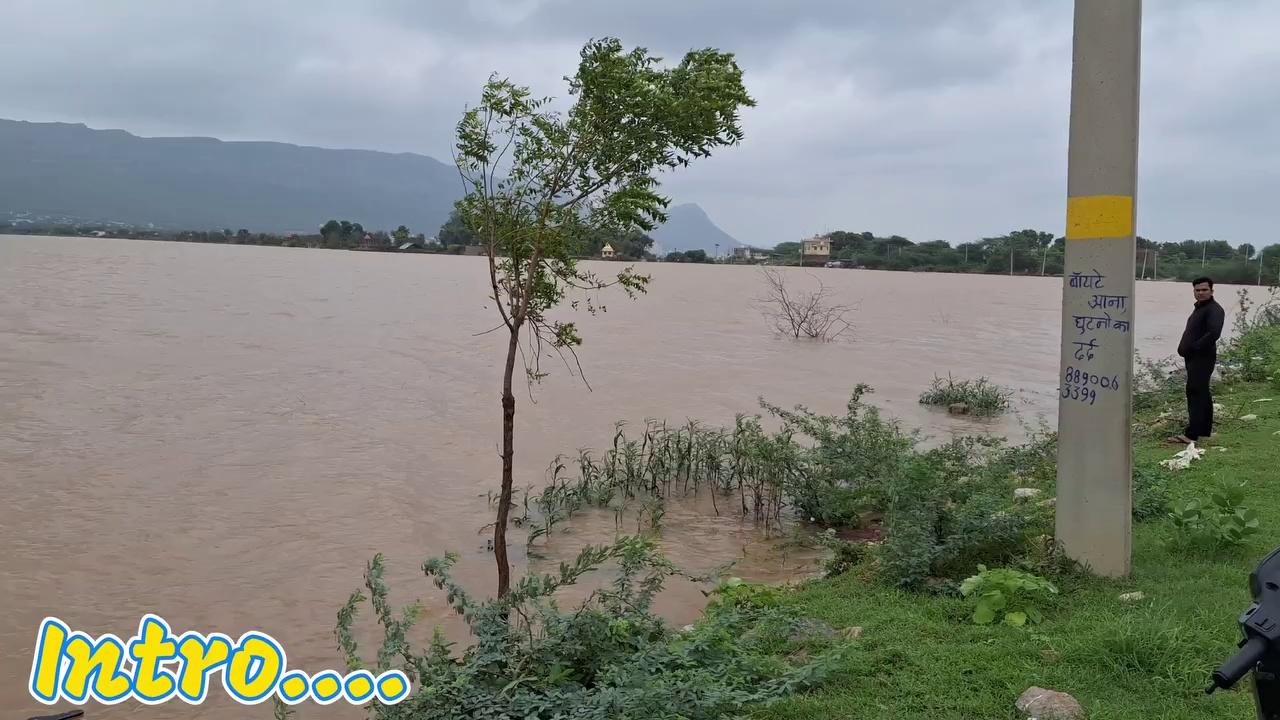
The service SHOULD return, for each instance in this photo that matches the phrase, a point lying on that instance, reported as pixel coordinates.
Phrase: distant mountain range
(72, 171)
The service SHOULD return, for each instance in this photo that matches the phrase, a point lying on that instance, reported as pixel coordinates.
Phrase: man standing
(1199, 347)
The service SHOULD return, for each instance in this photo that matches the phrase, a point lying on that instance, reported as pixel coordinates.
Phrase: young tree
(539, 182)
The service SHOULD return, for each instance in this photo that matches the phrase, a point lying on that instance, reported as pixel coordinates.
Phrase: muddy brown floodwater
(224, 435)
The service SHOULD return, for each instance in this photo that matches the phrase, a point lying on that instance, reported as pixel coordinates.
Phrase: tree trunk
(508, 452)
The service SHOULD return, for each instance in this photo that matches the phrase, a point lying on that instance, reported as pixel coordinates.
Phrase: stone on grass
(1133, 596)
(1249, 418)
(1025, 493)
(1051, 502)
(1040, 704)
(809, 630)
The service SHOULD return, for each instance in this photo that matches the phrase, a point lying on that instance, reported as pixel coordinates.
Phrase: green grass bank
(921, 655)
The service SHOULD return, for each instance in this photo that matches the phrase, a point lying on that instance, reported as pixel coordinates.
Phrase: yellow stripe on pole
(1091, 217)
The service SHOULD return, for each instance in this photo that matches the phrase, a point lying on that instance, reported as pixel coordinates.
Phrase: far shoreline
(8, 232)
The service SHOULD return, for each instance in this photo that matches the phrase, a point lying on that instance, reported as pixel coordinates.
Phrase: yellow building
(815, 251)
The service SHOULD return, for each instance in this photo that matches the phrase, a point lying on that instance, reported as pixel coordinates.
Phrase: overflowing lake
(225, 435)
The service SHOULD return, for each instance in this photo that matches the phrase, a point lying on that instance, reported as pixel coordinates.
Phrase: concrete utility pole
(1095, 402)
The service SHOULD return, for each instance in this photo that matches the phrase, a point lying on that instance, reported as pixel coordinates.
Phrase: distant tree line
(1035, 252)
(1021, 252)
(689, 256)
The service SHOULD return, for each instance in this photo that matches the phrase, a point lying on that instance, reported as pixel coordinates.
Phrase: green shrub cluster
(824, 469)
(848, 460)
(1150, 493)
(1250, 355)
(1006, 594)
(1219, 521)
(610, 658)
(944, 510)
(954, 508)
(980, 397)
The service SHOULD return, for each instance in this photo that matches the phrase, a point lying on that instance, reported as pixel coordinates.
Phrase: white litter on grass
(1183, 459)
(1262, 400)
(1249, 418)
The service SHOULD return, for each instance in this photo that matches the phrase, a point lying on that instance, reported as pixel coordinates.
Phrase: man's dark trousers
(1199, 398)
(1199, 346)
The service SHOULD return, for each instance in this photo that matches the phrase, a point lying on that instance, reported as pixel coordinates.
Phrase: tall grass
(742, 469)
(841, 471)
(980, 397)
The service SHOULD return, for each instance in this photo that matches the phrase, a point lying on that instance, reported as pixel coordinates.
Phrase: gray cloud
(930, 119)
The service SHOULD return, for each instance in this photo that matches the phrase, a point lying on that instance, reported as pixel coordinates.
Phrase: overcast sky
(933, 119)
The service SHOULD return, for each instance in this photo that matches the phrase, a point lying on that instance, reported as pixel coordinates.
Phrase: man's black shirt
(1200, 339)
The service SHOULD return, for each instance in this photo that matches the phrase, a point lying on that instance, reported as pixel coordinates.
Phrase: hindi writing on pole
(1087, 280)
(1108, 302)
(1085, 323)
(1080, 384)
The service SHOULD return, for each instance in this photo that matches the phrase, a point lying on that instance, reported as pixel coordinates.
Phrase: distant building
(475, 250)
(815, 251)
(607, 252)
(749, 254)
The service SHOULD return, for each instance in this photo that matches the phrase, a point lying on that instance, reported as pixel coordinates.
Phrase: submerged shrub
(980, 397)
(845, 555)
(826, 469)
(610, 658)
(849, 462)
(944, 510)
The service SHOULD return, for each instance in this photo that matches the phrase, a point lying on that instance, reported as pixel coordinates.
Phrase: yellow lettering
(149, 649)
(199, 659)
(47, 663)
(95, 667)
(255, 668)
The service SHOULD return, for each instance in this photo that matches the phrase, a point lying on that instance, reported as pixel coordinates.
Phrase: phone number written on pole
(1083, 386)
